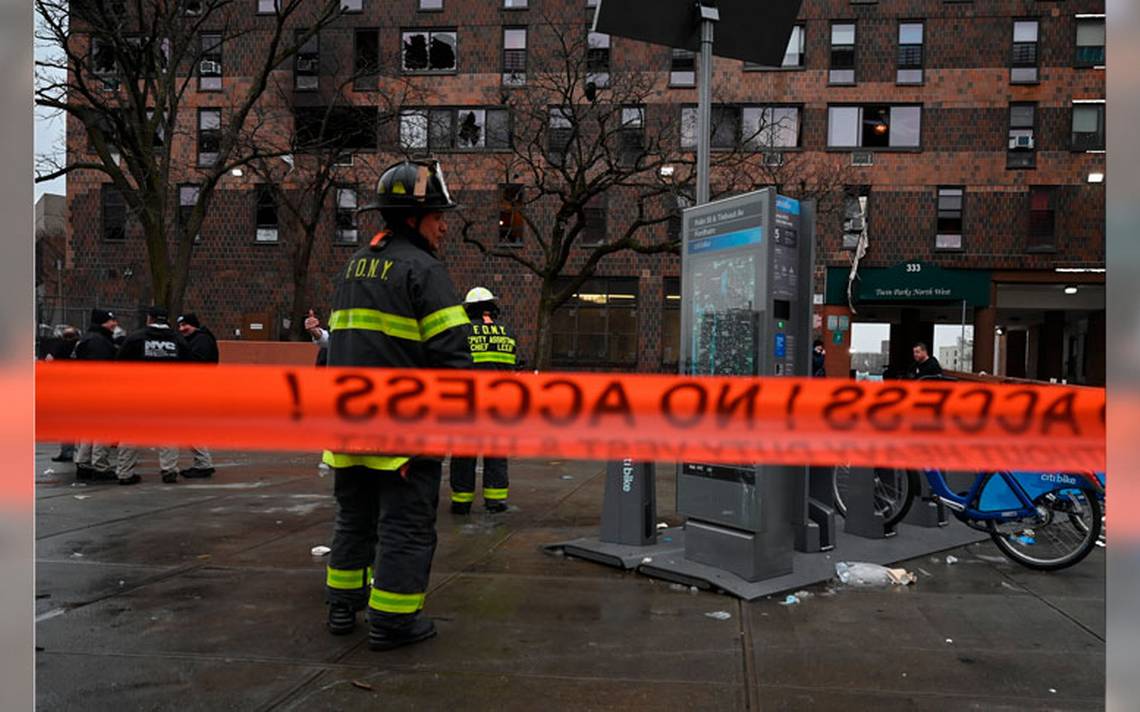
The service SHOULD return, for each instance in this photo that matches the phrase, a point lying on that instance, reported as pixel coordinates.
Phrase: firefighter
(394, 307)
(492, 347)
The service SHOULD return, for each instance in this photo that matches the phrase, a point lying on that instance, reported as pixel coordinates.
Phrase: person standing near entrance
(203, 349)
(492, 347)
(394, 307)
(924, 364)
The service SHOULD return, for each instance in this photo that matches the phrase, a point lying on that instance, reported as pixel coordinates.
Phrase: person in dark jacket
(818, 358)
(156, 342)
(924, 364)
(394, 307)
(492, 347)
(93, 460)
(64, 348)
(203, 349)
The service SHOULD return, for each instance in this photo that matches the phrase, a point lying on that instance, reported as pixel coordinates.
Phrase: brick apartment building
(971, 135)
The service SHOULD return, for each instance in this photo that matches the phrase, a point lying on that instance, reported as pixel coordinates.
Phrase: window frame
(596, 224)
(351, 11)
(676, 53)
(1030, 154)
(429, 33)
(338, 211)
(739, 142)
(202, 133)
(106, 191)
(362, 80)
(509, 207)
(420, 6)
(670, 305)
(802, 28)
(833, 48)
(1077, 61)
(1014, 64)
(571, 309)
(183, 207)
(509, 78)
(1101, 135)
(264, 190)
(921, 65)
(213, 54)
(938, 231)
(525, 5)
(302, 56)
(595, 73)
(1036, 243)
(276, 7)
(453, 132)
(860, 127)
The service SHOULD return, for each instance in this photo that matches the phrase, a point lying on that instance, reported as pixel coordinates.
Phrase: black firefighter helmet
(413, 186)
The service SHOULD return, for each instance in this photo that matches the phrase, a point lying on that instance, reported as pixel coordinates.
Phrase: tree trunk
(543, 337)
(300, 308)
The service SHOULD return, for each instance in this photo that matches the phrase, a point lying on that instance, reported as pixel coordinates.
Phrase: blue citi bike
(1041, 520)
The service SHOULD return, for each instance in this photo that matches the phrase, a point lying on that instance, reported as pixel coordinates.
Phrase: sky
(49, 134)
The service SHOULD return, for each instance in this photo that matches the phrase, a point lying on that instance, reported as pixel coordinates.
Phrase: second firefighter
(492, 347)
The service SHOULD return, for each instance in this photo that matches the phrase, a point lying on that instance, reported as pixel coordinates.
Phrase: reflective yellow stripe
(401, 327)
(492, 357)
(388, 602)
(345, 579)
(462, 496)
(438, 322)
(489, 493)
(373, 462)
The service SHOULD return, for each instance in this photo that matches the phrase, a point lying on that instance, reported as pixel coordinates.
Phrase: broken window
(266, 213)
(430, 51)
(460, 129)
(210, 63)
(346, 226)
(209, 136)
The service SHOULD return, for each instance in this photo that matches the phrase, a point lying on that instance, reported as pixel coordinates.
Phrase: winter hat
(189, 318)
(101, 316)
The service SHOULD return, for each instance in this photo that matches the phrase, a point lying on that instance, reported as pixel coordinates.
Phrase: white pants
(202, 459)
(94, 455)
(129, 457)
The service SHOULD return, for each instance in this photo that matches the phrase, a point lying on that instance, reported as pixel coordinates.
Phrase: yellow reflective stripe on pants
(489, 493)
(440, 321)
(389, 602)
(462, 496)
(401, 327)
(347, 579)
(492, 357)
(373, 462)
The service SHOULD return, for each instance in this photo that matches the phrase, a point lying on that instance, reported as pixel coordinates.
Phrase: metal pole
(708, 16)
(962, 345)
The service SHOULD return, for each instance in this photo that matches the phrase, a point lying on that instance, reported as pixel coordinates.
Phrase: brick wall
(966, 96)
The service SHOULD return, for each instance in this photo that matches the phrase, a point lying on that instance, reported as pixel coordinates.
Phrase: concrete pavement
(204, 596)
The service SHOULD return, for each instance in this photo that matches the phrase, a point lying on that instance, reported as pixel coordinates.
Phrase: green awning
(910, 282)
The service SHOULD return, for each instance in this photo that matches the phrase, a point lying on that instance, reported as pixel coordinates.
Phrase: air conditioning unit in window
(862, 158)
(773, 158)
(1022, 141)
(307, 64)
(854, 224)
(209, 67)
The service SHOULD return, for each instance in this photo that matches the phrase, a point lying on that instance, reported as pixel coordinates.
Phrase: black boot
(495, 506)
(461, 508)
(387, 637)
(342, 619)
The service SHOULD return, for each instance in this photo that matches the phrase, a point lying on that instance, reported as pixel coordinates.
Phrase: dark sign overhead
(749, 30)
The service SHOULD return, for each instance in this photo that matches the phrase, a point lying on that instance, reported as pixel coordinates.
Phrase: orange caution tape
(950, 425)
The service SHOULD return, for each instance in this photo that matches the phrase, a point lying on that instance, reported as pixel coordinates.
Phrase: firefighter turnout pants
(384, 534)
(463, 479)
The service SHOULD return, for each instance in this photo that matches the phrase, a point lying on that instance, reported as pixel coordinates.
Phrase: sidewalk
(204, 596)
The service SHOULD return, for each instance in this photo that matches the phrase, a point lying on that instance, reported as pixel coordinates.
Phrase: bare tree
(584, 131)
(122, 70)
(305, 168)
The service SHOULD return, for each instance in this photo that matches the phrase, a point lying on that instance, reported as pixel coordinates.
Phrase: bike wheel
(1064, 530)
(893, 491)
